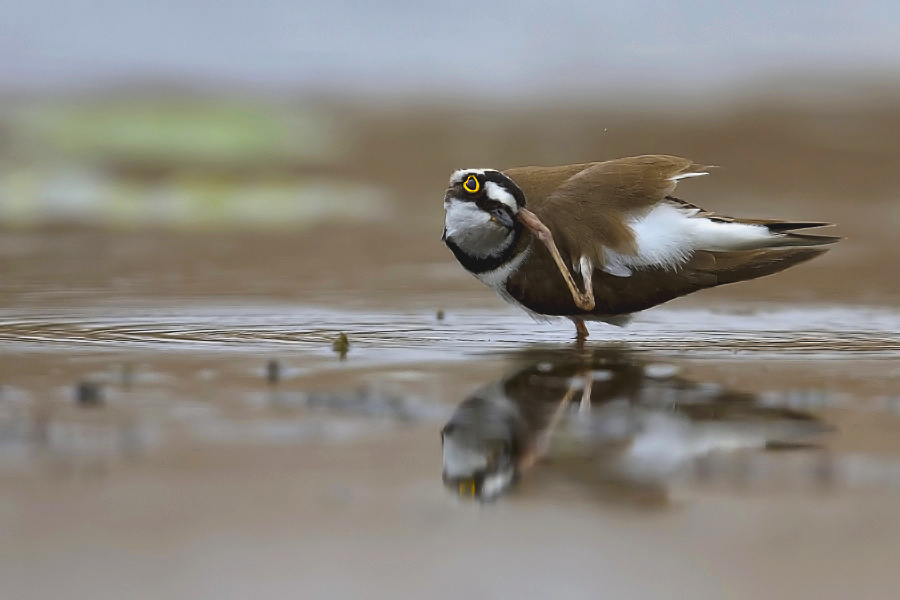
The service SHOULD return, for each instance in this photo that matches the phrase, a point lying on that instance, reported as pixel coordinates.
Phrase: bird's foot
(581, 330)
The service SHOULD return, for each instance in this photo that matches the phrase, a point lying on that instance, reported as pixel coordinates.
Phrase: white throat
(496, 279)
(473, 231)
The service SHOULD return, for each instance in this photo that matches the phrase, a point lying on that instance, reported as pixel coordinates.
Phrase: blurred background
(199, 199)
(335, 125)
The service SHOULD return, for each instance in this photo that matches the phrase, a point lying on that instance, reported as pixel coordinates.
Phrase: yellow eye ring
(472, 186)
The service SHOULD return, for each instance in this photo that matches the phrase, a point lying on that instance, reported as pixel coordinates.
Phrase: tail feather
(783, 232)
(706, 268)
(731, 267)
(777, 234)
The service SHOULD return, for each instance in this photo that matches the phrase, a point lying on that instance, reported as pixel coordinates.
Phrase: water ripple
(814, 330)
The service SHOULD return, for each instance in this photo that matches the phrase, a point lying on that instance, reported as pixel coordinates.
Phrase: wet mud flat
(185, 448)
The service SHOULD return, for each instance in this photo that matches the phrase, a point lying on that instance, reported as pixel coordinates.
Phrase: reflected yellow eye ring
(467, 488)
(472, 186)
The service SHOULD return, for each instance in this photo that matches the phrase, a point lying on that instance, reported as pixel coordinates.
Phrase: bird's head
(480, 448)
(481, 207)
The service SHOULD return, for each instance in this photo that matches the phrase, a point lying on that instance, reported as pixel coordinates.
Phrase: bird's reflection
(606, 417)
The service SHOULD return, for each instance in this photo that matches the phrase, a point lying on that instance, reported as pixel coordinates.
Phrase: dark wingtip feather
(782, 226)
(801, 239)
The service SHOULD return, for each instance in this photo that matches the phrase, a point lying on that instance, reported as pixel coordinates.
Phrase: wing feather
(587, 206)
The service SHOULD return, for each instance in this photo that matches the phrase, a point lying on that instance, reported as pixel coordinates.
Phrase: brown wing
(585, 206)
(539, 183)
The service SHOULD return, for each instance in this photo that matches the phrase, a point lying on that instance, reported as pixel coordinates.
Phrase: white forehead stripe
(458, 176)
(496, 192)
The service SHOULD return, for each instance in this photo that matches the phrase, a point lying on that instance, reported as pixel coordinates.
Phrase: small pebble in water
(341, 345)
(439, 315)
(89, 394)
(273, 372)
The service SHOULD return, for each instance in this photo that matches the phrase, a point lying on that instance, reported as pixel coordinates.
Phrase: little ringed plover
(531, 233)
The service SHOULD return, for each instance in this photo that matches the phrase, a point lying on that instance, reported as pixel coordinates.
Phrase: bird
(640, 429)
(530, 233)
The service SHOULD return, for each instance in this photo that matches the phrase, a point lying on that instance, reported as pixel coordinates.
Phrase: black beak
(502, 216)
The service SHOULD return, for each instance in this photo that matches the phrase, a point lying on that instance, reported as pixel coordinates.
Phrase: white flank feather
(668, 235)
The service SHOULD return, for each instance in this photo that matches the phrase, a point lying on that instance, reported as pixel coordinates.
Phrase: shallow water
(210, 445)
(200, 327)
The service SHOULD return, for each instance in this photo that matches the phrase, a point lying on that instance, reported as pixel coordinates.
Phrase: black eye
(472, 185)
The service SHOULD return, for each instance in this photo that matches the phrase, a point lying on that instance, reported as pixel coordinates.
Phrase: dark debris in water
(89, 394)
(341, 345)
(273, 371)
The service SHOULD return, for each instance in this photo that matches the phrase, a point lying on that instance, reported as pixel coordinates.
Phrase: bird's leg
(542, 443)
(587, 271)
(584, 301)
(581, 330)
(584, 409)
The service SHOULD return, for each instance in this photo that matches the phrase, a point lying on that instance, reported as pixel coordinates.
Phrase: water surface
(729, 449)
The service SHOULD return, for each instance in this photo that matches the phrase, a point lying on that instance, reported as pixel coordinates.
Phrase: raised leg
(584, 408)
(539, 448)
(587, 276)
(584, 301)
